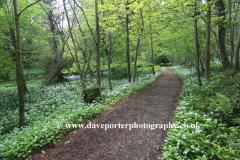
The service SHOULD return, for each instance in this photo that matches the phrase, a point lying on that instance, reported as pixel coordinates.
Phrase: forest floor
(154, 105)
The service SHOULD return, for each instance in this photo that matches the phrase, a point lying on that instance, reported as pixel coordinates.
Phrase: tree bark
(55, 66)
(231, 33)
(21, 85)
(135, 61)
(222, 33)
(109, 62)
(152, 47)
(14, 43)
(197, 49)
(207, 47)
(202, 66)
(236, 64)
(19, 70)
(127, 43)
(138, 42)
(97, 44)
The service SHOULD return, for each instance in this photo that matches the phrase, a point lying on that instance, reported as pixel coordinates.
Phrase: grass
(46, 108)
(215, 107)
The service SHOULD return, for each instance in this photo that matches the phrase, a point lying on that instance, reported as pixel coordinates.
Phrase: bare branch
(86, 20)
(27, 7)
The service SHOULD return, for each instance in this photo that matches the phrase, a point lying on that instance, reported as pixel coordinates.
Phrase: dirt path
(153, 105)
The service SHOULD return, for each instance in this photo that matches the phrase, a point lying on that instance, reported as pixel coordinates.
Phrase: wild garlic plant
(212, 138)
(48, 107)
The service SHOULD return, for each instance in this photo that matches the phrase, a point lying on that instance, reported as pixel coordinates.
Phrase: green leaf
(187, 150)
(43, 152)
(204, 157)
(215, 121)
(67, 142)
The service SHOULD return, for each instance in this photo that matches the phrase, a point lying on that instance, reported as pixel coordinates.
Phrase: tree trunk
(236, 65)
(207, 47)
(14, 43)
(109, 62)
(75, 49)
(127, 43)
(89, 68)
(19, 70)
(84, 52)
(55, 67)
(222, 33)
(135, 61)
(97, 44)
(202, 66)
(138, 42)
(197, 49)
(21, 85)
(231, 33)
(152, 47)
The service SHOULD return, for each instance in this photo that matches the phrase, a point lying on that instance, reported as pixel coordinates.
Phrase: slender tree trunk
(202, 66)
(97, 44)
(142, 65)
(84, 51)
(236, 65)
(197, 50)
(14, 43)
(231, 33)
(19, 70)
(82, 77)
(178, 61)
(135, 61)
(222, 33)
(84, 14)
(138, 42)
(109, 62)
(127, 43)
(89, 68)
(12, 32)
(207, 47)
(55, 67)
(57, 60)
(151, 38)
(21, 85)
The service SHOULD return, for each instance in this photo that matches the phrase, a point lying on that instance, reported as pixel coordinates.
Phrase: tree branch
(27, 7)
(86, 20)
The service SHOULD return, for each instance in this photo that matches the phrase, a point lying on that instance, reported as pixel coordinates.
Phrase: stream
(87, 75)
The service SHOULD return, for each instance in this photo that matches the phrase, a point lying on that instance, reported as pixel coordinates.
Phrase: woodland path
(153, 105)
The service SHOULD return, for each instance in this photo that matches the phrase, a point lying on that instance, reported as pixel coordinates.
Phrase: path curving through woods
(153, 105)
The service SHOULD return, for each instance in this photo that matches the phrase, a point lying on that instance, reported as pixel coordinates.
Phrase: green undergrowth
(214, 108)
(28, 74)
(49, 108)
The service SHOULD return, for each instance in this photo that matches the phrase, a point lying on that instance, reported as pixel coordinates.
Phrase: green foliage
(216, 114)
(119, 73)
(6, 65)
(49, 63)
(223, 104)
(162, 59)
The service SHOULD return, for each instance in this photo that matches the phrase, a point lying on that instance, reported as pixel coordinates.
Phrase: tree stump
(91, 93)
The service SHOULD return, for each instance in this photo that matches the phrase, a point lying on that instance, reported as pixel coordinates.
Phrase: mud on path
(153, 105)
